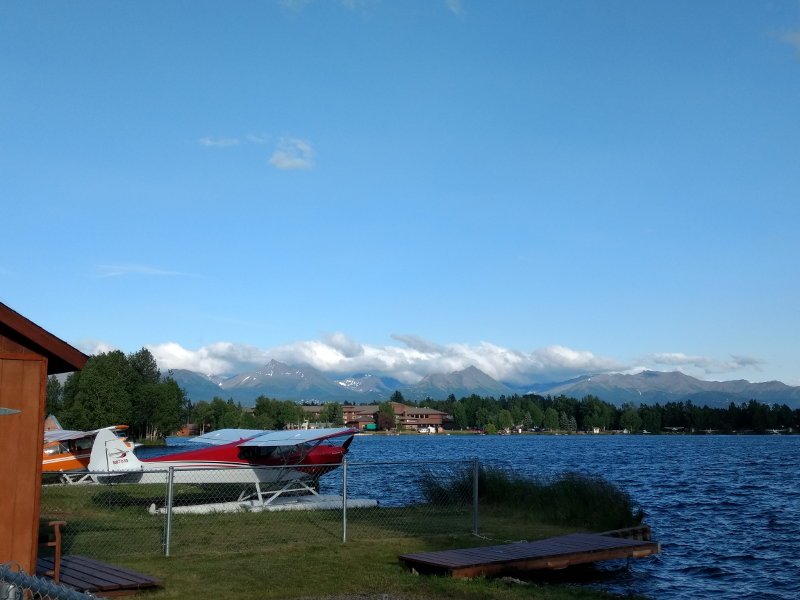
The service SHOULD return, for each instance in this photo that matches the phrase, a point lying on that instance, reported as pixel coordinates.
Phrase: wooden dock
(96, 577)
(521, 557)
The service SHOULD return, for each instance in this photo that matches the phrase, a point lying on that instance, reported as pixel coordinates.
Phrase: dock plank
(97, 577)
(552, 553)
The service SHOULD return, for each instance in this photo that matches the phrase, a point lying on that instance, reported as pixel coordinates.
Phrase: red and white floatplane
(290, 461)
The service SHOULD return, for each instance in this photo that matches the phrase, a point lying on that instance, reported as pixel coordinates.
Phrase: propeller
(347, 443)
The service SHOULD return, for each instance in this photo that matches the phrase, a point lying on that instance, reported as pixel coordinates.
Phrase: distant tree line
(570, 414)
(268, 413)
(118, 389)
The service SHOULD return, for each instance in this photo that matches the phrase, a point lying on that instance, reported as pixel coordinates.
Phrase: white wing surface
(265, 437)
(59, 435)
(291, 437)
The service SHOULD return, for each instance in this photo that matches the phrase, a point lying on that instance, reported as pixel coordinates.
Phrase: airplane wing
(60, 435)
(292, 437)
(225, 436)
(266, 437)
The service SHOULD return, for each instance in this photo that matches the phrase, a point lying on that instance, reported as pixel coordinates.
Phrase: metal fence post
(475, 472)
(344, 499)
(168, 527)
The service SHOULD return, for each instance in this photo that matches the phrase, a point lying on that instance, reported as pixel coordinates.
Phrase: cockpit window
(84, 444)
(60, 448)
(255, 452)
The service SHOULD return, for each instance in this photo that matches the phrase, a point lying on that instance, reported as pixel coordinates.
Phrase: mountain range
(306, 384)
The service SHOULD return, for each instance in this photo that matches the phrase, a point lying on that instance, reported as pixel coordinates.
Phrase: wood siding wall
(23, 386)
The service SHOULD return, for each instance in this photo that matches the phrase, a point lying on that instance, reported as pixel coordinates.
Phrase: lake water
(726, 509)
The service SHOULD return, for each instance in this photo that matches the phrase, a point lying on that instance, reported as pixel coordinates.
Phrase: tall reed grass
(570, 498)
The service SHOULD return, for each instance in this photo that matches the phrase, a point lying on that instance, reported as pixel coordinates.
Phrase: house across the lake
(364, 416)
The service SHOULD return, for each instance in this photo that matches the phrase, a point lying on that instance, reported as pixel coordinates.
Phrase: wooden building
(28, 354)
(360, 416)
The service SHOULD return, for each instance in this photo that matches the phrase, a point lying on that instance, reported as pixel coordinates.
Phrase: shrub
(570, 498)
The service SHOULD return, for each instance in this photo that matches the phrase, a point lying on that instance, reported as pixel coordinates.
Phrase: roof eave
(61, 357)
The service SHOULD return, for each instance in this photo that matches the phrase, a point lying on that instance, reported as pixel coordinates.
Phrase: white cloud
(92, 347)
(345, 345)
(221, 358)
(354, 4)
(294, 4)
(702, 364)
(218, 142)
(792, 38)
(339, 355)
(292, 154)
(417, 343)
(255, 138)
(454, 6)
(120, 270)
(298, 5)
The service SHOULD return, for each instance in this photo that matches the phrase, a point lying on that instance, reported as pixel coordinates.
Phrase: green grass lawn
(317, 570)
(300, 554)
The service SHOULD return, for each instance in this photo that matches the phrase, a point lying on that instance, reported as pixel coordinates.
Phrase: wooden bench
(50, 536)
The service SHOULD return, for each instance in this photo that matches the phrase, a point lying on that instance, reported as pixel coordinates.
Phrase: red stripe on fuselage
(227, 456)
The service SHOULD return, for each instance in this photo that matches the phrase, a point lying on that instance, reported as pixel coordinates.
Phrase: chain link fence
(178, 511)
(18, 585)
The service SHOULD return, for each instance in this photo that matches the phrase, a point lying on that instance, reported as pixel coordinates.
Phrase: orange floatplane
(68, 452)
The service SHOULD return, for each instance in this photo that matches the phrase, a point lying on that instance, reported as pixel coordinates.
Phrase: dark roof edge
(61, 357)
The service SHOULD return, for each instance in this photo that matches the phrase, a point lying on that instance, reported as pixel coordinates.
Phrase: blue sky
(538, 188)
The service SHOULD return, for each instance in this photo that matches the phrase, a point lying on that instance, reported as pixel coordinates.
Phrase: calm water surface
(726, 509)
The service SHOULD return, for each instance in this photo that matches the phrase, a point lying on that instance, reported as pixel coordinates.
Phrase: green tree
(563, 421)
(630, 419)
(104, 391)
(289, 414)
(146, 395)
(277, 414)
(115, 389)
(651, 417)
(527, 420)
(264, 413)
(482, 418)
(224, 414)
(460, 416)
(144, 363)
(332, 413)
(385, 418)
(248, 421)
(201, 415)
(144, 405)
(551, 418)
(537, 415)
(504, 419)
(55, 393)
(593, 413)
(170, 410)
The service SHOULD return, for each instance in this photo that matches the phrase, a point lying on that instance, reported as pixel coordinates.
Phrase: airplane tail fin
(112, 453)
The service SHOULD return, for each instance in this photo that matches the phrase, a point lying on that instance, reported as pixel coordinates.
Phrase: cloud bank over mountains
(412, 358)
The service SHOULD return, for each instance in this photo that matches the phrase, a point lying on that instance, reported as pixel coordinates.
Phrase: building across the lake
(364, 416)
